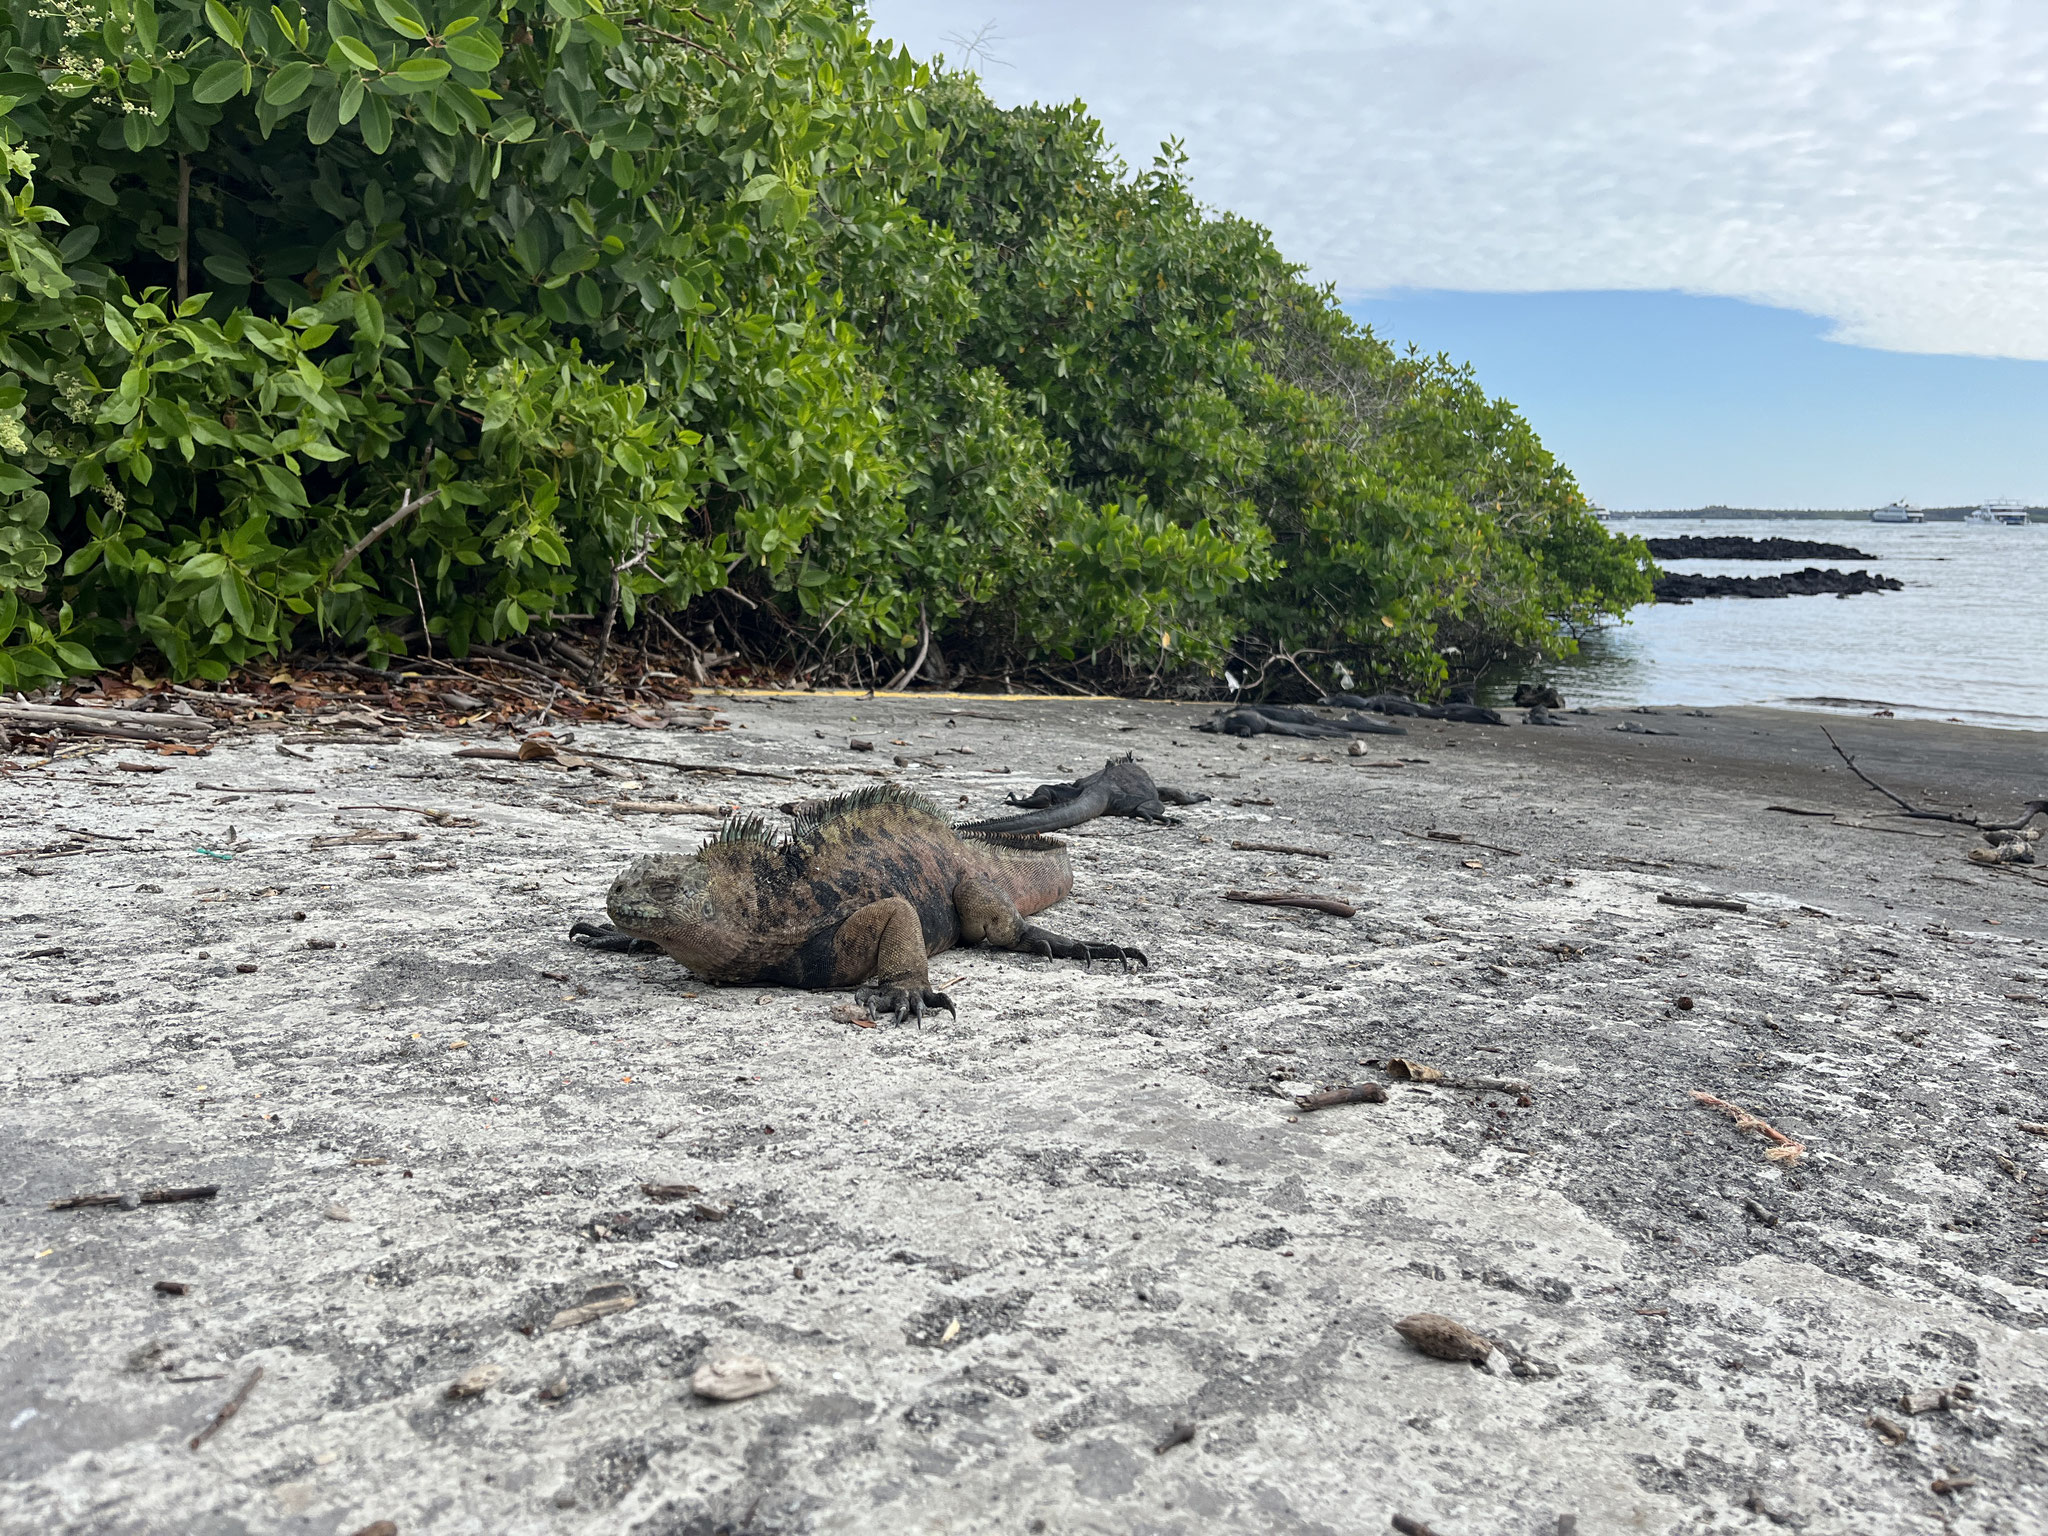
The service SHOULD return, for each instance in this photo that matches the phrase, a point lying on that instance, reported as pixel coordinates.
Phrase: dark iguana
(1119, 788)
(1286, 720)
(865, 888)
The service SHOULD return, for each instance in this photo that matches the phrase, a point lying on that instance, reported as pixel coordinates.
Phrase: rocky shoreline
(1734, 547)
(1684, 587)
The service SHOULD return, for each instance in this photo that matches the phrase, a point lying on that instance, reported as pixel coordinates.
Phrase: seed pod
(1443, 1337)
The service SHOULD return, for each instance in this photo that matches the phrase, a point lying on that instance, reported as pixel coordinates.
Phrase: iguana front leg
(882, 944)
(989, 917)
(604, 936)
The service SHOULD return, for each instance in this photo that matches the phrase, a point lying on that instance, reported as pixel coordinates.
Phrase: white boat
(1898, 512)
(2006, 514)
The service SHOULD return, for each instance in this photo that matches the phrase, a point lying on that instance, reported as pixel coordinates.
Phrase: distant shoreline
(1850, 514)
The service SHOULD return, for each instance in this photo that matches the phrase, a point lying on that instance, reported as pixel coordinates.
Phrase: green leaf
(375, 123)
(480, 53)
(422, 71)
(75, 656)
(369, 313)
(118, 327)
(229, 269)
(145, 25)
(516, 129)
(230, 77)
(225, 23)
(355, 51)
(759, 187)
(602, 30)
(288, 84)
(135, 132)
(351, 101)
(401, 18)
(324, 116)
(234, 597)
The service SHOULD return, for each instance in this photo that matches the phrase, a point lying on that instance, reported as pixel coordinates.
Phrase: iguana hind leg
(989, 917)
(882, 944)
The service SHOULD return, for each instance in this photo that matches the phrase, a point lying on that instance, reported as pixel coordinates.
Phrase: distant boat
(1898, 512)
(2007, 514)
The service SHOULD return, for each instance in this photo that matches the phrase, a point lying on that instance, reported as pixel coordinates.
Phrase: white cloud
(1881, 164)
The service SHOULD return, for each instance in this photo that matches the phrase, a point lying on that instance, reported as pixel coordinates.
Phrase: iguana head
(673, 899)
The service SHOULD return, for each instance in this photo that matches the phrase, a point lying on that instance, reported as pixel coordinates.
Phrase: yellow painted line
(965, 698)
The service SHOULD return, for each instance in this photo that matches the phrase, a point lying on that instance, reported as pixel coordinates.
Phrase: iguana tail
(1086, 806)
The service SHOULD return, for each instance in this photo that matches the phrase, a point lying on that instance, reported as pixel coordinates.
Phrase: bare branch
(407, 505)
(678, 37)
(2032, 808)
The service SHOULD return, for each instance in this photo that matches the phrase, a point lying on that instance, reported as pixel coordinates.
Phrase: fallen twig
(1361, 1093)
(2032, 808)
(1785, 1150)
(170, 1196)
(1305, 899)
(438, 818)
(365, 835)
(669, 808)
(1461, 839)
(1712, 903)
(228, 1410)
(1306, 853)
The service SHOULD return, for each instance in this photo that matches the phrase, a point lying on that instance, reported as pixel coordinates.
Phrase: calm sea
(1966, 640)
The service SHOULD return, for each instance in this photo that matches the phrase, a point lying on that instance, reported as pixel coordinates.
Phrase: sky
(1768, 254)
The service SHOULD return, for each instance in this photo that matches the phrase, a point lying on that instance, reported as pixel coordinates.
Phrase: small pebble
(338, 1213)
(477, 1379)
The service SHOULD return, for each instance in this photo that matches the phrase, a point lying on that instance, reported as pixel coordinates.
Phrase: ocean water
(1966, 640)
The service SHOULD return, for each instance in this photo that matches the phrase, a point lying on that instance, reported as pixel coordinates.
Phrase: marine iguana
(1286, 720)
(864, 888)
(1119, 788)
(1459, 708)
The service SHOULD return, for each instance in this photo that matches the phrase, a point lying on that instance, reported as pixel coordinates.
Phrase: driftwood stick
(1712, 903)
(1306, 853)
(228, 1410)
(1363, 1093)
(2032, 808)
(1307, 899)
(122, 724)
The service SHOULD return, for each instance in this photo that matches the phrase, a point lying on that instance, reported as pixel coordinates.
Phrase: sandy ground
(996, 1261)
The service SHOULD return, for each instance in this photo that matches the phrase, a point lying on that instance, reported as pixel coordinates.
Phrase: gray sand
(995, 1262)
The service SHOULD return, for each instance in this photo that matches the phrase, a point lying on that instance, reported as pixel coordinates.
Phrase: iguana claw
(903, 1002)
(605, 936)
